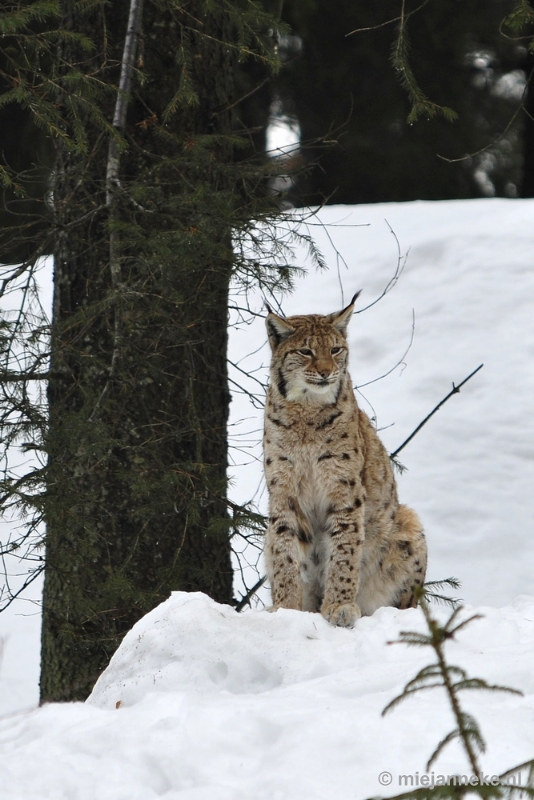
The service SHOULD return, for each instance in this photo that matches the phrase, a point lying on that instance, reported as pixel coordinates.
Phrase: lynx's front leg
(286, 535)
(345, 529)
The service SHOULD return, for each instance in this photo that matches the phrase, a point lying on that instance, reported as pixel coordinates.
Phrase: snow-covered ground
(201, 703)
(218, 705)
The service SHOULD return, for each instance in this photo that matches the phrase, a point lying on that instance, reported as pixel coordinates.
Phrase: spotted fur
(338, 541)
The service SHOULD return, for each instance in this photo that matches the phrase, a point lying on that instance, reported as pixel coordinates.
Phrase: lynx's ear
(278, 328)
(340, 319)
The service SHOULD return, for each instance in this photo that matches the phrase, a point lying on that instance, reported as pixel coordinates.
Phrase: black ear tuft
(341, 319)
(278, 329)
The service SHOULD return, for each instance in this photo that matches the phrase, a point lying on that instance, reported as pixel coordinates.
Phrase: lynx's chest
(296, 425)
(310, 442)
(313, 458)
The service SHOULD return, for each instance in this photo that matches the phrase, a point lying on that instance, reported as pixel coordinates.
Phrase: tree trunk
(527, 184)
(137, 447)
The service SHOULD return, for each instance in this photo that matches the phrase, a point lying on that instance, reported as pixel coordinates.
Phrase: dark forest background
(343, 93)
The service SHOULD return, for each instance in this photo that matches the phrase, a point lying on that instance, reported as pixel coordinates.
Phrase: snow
(214, 705)
(273, 706)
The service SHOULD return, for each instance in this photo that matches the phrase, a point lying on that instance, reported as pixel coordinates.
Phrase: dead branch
(245, 600)
(112, 176)
(454, 390)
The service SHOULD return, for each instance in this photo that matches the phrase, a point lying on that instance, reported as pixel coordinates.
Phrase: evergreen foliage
(521, 17)
(420, 104)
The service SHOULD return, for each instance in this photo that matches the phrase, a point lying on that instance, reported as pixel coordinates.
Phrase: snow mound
(190, 642)
(216, 705)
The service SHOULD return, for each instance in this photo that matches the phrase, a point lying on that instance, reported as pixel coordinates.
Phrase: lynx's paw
(344, 616)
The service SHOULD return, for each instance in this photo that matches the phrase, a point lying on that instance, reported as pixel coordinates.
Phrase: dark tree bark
(135, 505)
(527, 185)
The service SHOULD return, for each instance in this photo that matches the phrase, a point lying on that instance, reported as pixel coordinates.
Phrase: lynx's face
(309, 355)
(311, 367)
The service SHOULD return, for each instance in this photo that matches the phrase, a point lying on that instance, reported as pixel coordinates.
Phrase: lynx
(338, 541)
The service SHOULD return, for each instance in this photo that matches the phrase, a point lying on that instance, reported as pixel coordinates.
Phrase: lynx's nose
(324, 367)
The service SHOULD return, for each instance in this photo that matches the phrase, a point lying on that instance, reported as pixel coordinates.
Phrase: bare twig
(454, 390)
(401, 263)
(400, 360)
(22, 377)
(12, 596)
(499, 138)
(245, 600)
(391, 21)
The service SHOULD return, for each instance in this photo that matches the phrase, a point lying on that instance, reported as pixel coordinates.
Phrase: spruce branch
(433, 591)
(521, 17)
(452, 678)
(421, 105)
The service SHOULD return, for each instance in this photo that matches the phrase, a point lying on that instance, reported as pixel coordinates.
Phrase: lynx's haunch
(338, 541)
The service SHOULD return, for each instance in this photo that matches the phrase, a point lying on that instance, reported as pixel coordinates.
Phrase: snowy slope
(220, 706)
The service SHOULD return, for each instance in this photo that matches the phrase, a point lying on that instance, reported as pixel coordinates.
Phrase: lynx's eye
(305, 352)
(336, 350)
